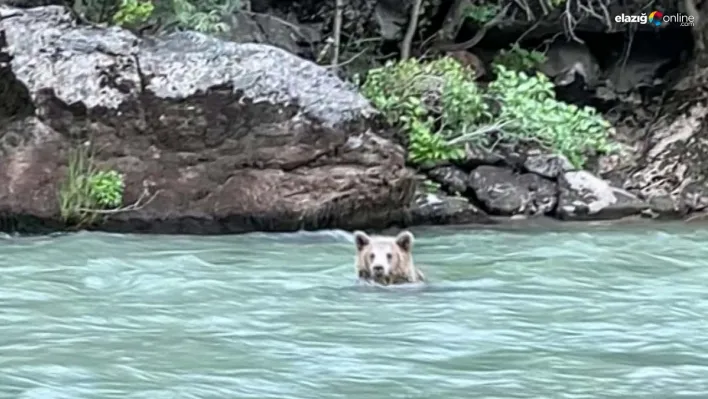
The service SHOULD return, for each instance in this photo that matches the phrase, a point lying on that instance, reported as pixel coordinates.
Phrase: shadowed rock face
(668, 166)
(231, 137)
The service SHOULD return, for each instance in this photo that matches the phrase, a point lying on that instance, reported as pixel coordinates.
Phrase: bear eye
(389, 256)
(371, 256)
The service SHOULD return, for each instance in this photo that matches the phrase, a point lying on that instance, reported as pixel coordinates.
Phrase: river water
(593, 313)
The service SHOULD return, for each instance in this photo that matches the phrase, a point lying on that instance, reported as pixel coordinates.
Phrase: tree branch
(410, 32)
(478, 36)
(337, 31)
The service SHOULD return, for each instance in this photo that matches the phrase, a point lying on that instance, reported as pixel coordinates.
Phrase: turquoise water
(600, 313)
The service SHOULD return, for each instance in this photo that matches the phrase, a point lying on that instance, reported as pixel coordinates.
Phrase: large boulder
(441, 209)
(584, 196)
(225, 137)
(505, 192)
(451, 178)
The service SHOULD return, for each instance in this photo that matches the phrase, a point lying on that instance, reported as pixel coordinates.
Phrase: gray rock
(453, 179)
(226, 137)
(391, 16)
(548, 165)
(583, 196)
(258, 73)
(264, 28)
(441, 209)
(477, 156)
(503, 192)
(30, 3)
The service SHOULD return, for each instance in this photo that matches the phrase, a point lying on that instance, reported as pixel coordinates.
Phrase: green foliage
(204, 16)
(430, 101)
(533, 113)
(132, 12)
(482, 13)
(86, 191)
(439, 106)
(520, 59)
(106, 188)
(431, 187)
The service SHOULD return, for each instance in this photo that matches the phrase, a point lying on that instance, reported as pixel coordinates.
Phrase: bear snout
(378, 270)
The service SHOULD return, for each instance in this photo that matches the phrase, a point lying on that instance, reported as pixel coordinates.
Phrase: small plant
(431, 187)
(87, 191)
(520, 59)
(133, 12)
(204, 16)
(533, 113)
(106, 188)
(482, 13)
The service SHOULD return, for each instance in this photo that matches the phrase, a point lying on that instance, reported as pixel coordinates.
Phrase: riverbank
(189, 134)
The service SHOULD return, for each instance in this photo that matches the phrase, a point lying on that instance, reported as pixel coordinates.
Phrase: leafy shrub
(432, 102)
(132, 12)
(481, 13)
(532, 113)
(439, 106)
(520, 59)
(207, 16)
(204, 16)
(86, 191)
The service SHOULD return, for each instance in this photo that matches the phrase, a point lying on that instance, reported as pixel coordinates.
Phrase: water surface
(600, 313)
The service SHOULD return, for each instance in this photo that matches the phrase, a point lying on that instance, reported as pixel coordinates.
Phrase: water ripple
(508, 314)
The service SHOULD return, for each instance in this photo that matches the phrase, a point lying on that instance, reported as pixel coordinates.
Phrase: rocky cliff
(211, 136)
(648, 79)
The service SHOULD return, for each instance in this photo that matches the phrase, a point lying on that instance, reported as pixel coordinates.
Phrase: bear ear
(361, 239)
(404, 240)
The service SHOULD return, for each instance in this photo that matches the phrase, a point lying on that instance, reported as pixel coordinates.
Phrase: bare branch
(478, 36)
(137, 205)
(354, 57)
(337, 31)
(410, 32)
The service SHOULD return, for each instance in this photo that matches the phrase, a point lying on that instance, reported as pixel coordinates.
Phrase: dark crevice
(141, 76)
(15, 100)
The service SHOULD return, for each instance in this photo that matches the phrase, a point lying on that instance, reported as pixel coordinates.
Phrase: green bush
(519, 59)
(87, 191)
(481, 13)
(440, 107)
(132, 12)
(432, 102)
(532, 113)
(206, 16)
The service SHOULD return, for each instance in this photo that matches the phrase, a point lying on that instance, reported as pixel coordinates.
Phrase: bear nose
(378, 269)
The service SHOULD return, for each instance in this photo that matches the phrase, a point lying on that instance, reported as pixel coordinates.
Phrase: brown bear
(386, 260)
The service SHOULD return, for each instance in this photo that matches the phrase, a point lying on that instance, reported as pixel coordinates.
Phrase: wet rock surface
(506, 193)
(451, 178)
(585, 196)
(442, 209)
